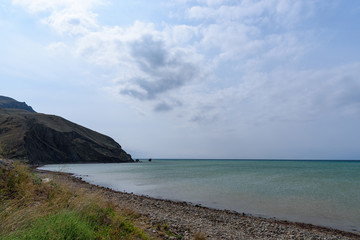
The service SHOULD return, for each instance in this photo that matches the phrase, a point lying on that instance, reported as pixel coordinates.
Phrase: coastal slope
(49, 139)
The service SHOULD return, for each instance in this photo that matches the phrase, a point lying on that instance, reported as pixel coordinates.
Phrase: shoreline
(187, 219)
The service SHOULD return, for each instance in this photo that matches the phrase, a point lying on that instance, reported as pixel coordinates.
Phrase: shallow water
(324, 193)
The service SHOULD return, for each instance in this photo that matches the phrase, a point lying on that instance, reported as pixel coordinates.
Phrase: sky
(245, 79)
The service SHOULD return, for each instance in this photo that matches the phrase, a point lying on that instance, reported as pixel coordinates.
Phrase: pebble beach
(186, 221)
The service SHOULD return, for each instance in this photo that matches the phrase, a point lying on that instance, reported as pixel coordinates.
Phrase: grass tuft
(199, 236)
(33, 209)
(66, 225)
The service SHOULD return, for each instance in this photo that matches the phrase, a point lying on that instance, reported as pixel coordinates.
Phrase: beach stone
(186, 220)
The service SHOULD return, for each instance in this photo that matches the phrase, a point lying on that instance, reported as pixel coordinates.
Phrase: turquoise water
(324, 193)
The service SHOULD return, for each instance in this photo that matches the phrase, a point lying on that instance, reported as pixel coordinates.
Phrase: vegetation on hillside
(34, 208)
(48, 139)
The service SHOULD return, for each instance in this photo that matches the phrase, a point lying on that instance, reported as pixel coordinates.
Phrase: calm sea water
(324, 193)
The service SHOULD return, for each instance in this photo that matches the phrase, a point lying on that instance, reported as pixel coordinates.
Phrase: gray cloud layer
(162, 70)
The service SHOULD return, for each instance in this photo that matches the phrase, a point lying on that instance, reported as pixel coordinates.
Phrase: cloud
(146, 63)
(163, 69)
(56, 46)
(35, 6)
(149, 52)
(223, 58)
(73, 22)
(182, 35)
(206, 114)
(252, 12)
(278, 96)
(167, 106)
(65, 16)
(290, 95)
(162, 107)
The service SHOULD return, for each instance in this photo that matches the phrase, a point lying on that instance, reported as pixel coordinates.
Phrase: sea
(325, 193)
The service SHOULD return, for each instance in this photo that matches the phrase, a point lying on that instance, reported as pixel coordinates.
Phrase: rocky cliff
(44, 139)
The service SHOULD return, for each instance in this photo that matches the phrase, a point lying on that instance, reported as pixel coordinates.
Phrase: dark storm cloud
(162, 69)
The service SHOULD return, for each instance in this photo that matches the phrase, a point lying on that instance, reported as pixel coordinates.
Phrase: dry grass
(27, 204)
(199, 236)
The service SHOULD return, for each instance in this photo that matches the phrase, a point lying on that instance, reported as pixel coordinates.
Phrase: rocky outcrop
(45, 139)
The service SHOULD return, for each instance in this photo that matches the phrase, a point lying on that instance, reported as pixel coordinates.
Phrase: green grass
(74, 225)
(66, 225)
(31, 209)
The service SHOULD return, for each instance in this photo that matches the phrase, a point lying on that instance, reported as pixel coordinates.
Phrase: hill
(6, 102)
(45, 139)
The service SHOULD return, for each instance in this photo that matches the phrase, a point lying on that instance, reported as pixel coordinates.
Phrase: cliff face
(44, 139)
